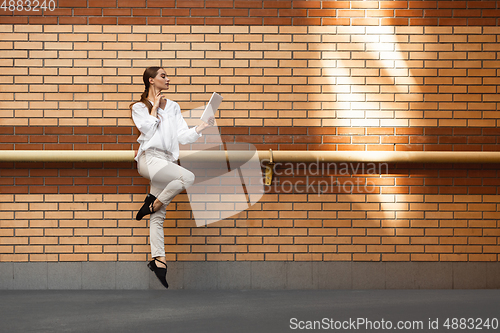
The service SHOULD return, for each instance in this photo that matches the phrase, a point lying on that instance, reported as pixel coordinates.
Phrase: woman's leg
(167, 180)
(156, 233)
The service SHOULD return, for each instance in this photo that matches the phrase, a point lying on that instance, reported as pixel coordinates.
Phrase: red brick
(16, 189)
(161, 4)
(38, 15)
(380, 13)
(481, 21)
(77, 146)
(161, 21)
(293, 12)
(29, 181)
(20, 146)
(137, 3)
(481, 4)
(102, 3)
(132, 20)
(58, 146)
(88, 130)
(59, 181)
(116, 146)
(101, 138)
(491, 13)
(72, 138)
(218, 21)
(73, 20)
(43, 189)
(116, 12)
(481, 140)
(393, 4)
(394, 21)
(336, 4)
(247, 4)
(422, 4)
(58, 130)
(103, 20)
(409, 13)
(452, 21)
(452, 4)
(13, 20)
(5, 181)
(134, 189)
(467, 13)
(174, 12)
(437, 13)
(307, 4)
(6, 130)
(277, 4)
(204, 12)
(190, 21)
(14, 138)
(58, 12)
(263, 12)
(29, 130)
(423, 21)
(321, 12)
(217, 4)
(306, 21)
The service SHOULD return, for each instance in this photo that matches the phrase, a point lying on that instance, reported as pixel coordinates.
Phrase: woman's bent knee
(188, 179)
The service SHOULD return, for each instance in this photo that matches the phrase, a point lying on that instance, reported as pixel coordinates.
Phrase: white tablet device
(212, 107)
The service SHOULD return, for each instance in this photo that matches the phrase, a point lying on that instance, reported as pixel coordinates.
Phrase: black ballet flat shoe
(150, 198)
(147, 207)
(161, 273)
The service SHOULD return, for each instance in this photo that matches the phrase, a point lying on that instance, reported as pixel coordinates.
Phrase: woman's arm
(201, 127)
(158, 101)
(185, 134)
(145, 123)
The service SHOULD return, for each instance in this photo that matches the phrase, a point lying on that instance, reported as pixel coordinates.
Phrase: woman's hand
(211, 121)
(158, 101)
(204, 125)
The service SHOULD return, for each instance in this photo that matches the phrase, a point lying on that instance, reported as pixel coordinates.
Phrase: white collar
(166, 102)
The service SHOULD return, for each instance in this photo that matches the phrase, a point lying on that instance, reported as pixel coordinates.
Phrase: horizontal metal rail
(264, 155)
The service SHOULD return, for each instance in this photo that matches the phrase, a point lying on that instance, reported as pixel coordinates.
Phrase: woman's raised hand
(204, 125)
(158, 100)
(211, 121)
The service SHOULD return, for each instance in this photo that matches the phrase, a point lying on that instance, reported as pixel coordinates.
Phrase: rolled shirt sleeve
(145, 123)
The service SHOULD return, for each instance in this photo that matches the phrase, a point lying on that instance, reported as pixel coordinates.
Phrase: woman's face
(161, 81)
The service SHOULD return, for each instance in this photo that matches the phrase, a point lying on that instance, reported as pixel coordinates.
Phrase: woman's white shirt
(164, 132)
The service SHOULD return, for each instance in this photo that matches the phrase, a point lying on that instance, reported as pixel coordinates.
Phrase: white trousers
(167, 180)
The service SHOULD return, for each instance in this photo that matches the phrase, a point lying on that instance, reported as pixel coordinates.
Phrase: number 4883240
(27, 5)
(471, 323)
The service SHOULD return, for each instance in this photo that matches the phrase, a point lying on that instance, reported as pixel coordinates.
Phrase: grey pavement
(241, 310)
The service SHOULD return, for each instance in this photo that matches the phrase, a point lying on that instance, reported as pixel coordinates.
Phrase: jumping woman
(162, 129)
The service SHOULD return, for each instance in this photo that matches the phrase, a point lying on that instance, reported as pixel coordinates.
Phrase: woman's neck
(151, 94)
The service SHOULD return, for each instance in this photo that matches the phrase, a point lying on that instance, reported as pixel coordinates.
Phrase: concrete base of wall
(252, 275)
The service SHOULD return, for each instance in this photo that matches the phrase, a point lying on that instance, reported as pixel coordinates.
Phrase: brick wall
(301, 75)
(250, 12)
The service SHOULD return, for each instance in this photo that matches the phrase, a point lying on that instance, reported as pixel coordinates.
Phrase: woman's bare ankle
(157, 205)
(160, 264)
